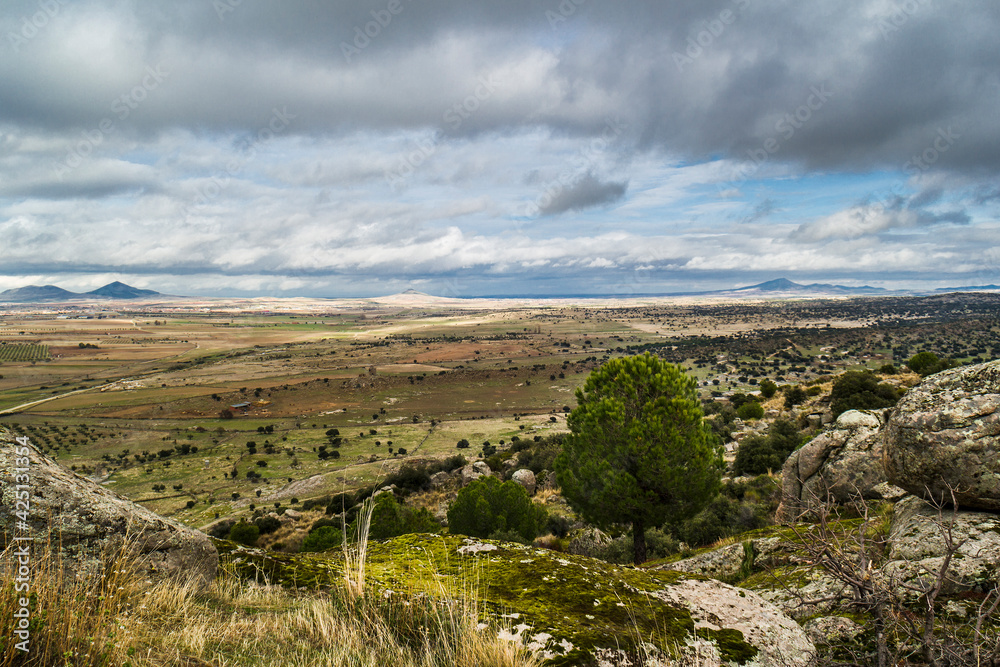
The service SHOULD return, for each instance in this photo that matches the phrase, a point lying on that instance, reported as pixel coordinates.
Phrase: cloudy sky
(488, 147)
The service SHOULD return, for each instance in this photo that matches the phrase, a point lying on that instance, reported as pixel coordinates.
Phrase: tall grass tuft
(120, 619)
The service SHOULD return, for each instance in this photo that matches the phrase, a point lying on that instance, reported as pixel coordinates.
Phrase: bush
(221, 529)
(860, 390)
(759, 454)
(390, 519)
(244, 533)
(558, 525)
(463, 444)
(741, 506)
(410, 477)
(768, 388)
(794, 396)
(267, 524)
(750, 410)
(928, 363)
(486, 506)
(620, 550)
(322, 538)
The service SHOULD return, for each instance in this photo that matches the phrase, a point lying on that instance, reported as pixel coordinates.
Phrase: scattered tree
(639, 450)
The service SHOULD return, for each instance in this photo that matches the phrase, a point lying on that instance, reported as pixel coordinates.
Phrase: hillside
(52, 294)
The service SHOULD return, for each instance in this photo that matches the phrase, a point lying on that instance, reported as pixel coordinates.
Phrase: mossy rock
(570, 608)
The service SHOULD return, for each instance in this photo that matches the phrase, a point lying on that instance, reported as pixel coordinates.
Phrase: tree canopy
(639, 450)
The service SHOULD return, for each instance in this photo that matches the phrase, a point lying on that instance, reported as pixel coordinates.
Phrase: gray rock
(917, 546)
(474, 471)
(525, 478)
(800, 591)
(715, 605)
(440, 479)
(829, 629)
(294, 515)
(841, 465)
(944, 435)
(91, 523)
(724, 562)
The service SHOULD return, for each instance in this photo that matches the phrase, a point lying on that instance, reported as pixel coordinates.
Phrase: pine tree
(639, 450)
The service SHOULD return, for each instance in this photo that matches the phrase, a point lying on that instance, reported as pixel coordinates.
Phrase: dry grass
(120, 619)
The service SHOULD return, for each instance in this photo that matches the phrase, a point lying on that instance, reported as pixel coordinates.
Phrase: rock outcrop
(88, 523)
(944, 436)
(525, 478)
(573, 610)
(841, 465)
(918, 548)
(474, 471)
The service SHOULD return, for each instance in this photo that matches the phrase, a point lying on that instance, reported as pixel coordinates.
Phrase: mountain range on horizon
(119, 291)
(50, 293)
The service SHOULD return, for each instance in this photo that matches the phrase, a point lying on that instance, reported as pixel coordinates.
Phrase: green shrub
(928, 363)
(759, 454)
(267, 524)
(767, 388)
(750, 410)
(860, 390)
(486, 506)
(322, 538)
(794, 396)
(340, 503)
(244, 533)
(390, 519)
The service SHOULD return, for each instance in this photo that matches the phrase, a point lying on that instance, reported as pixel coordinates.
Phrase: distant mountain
(783, 285)
(975, 288)
(51, 293)
(119, 290)
(36, 294)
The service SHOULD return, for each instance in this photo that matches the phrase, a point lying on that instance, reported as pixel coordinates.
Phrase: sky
(497, 147)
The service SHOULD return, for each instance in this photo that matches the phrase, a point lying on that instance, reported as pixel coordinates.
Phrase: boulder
(841, 465)
(89, 523)
(571, 609)
(474, 471)
(440, 479)
(726, 562)
(917, 547)
(944, 436)
(525, 478)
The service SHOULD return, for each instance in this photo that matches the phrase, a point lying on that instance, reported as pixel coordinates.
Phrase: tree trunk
(639, 541)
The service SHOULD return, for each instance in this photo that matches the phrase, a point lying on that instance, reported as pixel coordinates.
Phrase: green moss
(732, 646)
(561, 598)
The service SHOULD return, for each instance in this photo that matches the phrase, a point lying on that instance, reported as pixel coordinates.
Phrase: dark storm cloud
(853, 86)
(588, 191)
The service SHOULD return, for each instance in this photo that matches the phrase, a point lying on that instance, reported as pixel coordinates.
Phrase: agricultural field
(201, 412)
